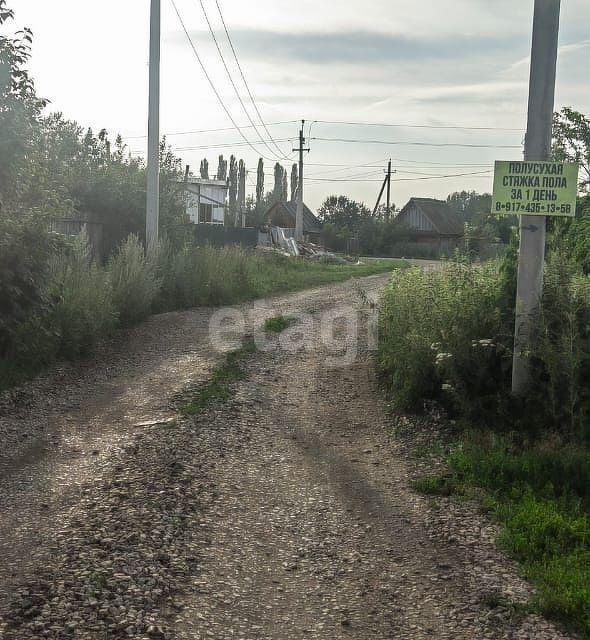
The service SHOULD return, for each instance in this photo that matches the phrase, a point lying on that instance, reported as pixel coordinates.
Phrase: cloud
(354, 47)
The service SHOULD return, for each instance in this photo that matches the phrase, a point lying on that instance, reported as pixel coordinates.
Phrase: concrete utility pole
(537, 147)
(299, 213)
(153, 161)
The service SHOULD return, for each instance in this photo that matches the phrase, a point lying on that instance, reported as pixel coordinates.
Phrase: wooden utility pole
(386, 183)
(537, 147)
(153, 160)
(299, 211)
(388, 188)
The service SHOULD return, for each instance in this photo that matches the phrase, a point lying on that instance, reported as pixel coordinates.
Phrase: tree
(285, 187)
(233, 189)
(204, 169)
(571, 142)
(277, 192)
(222, 169)
(259, 183)
(294, 181)
(241, 185)
(342, 211)
(20, 110)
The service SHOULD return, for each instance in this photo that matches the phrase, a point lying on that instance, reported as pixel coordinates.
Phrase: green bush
(25, 251)
(560, 348)
(83, 311)
(134, 281)
(441, 336)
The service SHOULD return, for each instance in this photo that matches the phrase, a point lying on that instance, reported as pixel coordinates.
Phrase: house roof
(310, 223)
(205, 182)
(439, 213)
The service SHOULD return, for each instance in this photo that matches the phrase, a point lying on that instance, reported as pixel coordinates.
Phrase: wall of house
(208, 193)
(415, 219)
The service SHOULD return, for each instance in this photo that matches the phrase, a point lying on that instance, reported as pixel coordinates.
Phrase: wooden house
(432, 222)
(283, 214)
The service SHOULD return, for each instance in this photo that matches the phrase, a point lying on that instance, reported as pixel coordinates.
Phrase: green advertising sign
(535, 188)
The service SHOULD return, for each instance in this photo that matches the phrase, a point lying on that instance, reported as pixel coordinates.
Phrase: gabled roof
(443, 219)
(310, 223)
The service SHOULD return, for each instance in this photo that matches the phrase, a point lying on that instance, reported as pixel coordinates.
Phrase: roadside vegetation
(219, 387)
(446, 341)
(61, 294)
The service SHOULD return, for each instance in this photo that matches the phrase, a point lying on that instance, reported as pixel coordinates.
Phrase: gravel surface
(284, 513)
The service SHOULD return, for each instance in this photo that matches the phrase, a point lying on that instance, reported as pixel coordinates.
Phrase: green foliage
(25, 248)
(83, 312)
(441, 337)
(277, 324)
(541, 493)
(220, 385)
(560, 348)
(134, 281)
(571, 141)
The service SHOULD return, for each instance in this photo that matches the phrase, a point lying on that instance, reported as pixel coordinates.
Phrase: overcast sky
(403, 62)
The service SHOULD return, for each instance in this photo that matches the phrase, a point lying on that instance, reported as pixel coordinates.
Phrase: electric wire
(244, 80)
(203, 68)
(233, 84)
(433, 177)
(220, 129)
(421, 144)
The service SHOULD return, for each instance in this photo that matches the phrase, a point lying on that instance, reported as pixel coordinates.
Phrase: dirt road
(284, 513)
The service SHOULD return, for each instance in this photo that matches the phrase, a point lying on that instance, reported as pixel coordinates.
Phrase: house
(206, 200)
(432, 222)
(283, 214)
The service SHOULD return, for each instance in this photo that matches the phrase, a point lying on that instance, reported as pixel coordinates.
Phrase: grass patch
(277, 323)
(219, 387)
(540, 492)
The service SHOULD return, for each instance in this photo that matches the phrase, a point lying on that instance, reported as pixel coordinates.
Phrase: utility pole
(537, 147)
(153, 160)
(388, 188)
(386, 183)
(299, 212)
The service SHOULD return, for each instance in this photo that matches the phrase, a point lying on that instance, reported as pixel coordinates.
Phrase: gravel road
(284, 513)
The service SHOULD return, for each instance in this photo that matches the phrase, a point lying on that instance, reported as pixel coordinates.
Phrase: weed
(219, 387)
(278, 323)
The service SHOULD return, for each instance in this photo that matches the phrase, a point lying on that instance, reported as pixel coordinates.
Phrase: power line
(244, 80)
(212, 85)
(422, 144)
(185, 133)
(233, 84)
(417, 126)
(222, 145)
(433, 177)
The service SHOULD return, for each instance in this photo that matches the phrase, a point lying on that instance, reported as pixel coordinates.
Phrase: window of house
(205, 214)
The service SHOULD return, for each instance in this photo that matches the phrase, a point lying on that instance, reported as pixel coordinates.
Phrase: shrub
(25, 251)
(441, 331)
(83, 310)
(134, 281)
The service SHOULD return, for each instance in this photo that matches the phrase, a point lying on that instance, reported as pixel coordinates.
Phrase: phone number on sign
(533, 207)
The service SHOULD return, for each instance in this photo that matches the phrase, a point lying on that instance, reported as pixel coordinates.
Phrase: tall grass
(83, 311)
(86, 302)
(134, 281)
(441, 336)
(447, 335)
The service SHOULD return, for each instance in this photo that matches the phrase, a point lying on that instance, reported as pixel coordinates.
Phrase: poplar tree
(259, 183)
(222, 169)
(233, 188)
(204, 169)
(294, 181)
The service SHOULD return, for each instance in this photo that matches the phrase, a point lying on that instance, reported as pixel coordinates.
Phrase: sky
(449, 77)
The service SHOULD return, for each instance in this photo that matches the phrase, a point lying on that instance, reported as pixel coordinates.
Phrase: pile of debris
(282, 240)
